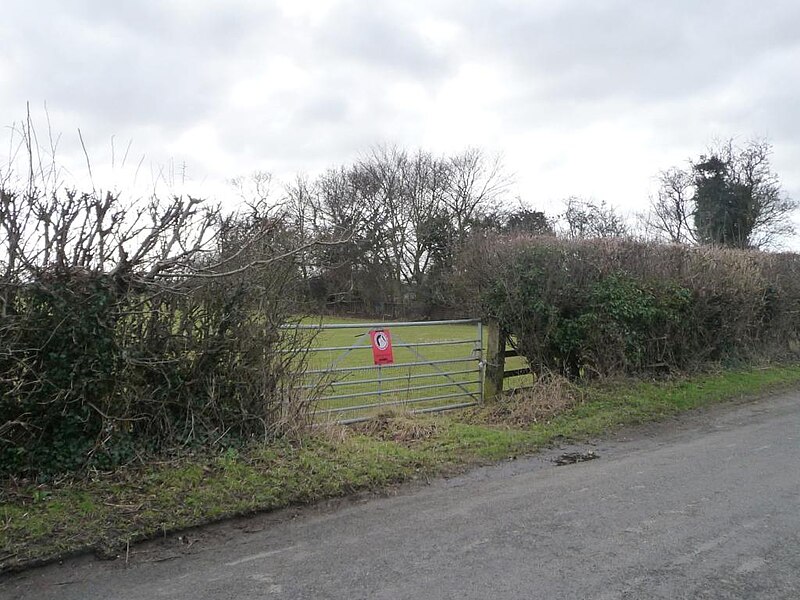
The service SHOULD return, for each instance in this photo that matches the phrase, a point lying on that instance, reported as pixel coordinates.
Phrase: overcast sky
(588, 98)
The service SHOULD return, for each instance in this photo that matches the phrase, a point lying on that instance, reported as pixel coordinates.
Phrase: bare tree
(256, 187)
(301, 216)
(403, 215)
(764, 208)
(590, 219)
(427, 179)
(346, 205)
(385, 166)
(672, 210)
(476, 181)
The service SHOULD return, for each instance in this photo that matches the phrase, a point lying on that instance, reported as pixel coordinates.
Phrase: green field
(452, 377)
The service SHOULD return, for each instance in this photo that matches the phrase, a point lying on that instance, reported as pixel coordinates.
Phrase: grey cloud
(121, 64)
(631, 49)
(324, 109)
(384, 39)
(323, 128)
(153, 69)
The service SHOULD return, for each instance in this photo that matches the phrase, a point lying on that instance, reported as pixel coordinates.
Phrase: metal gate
(438, 366)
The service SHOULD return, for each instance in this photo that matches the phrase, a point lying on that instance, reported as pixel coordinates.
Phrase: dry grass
(550, 395)
(330, 432)
(400, 427)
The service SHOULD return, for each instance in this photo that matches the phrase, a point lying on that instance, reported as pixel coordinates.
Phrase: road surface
(705, 506)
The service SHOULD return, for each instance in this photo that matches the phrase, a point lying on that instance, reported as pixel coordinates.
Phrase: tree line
(394, 221)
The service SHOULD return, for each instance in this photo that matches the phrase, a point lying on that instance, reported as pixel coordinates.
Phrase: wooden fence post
(495, 361)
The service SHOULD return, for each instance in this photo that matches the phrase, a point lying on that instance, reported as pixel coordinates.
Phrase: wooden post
(495, 361)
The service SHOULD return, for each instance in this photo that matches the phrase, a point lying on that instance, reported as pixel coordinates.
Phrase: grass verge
(105, 512)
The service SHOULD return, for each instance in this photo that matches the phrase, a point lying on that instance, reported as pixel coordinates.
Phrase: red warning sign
(381, 347)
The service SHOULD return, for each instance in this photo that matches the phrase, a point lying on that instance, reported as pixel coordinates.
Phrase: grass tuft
(401, 427)
(549, 395)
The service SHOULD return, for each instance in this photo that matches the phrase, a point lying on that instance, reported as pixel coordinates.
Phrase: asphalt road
(707, 506)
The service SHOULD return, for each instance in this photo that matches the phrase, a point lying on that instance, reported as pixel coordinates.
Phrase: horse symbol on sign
(381, 347)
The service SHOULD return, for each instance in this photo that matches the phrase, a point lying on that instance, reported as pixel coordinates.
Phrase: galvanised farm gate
(356, 370)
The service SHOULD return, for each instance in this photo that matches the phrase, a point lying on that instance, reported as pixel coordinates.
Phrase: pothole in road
(570, 458)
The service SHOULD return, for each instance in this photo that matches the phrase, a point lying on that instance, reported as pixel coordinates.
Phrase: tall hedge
(91, 374)
(618, 306)
(130, 328)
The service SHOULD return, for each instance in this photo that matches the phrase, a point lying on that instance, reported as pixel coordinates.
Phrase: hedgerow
(583, 307)
(127, 329)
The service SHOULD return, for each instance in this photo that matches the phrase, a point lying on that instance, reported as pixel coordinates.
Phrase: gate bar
(391, 391)
(416, 411)
(385, 324)
(392, 403)
(313, 386)
(402, 345)
(394, 365)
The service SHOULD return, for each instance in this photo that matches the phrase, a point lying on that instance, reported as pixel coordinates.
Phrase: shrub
(582, 307)
(130, 329)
